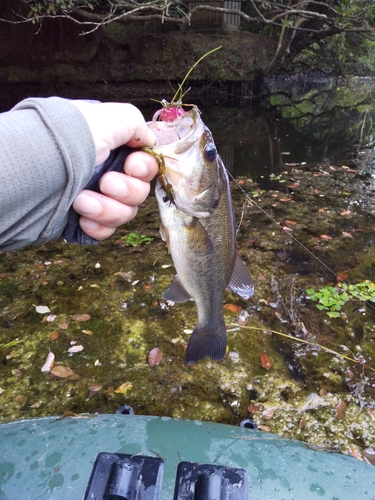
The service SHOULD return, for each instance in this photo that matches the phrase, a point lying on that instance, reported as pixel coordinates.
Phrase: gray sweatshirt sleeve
(47, 156)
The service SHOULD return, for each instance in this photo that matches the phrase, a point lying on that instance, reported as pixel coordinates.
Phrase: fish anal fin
(207, 342)
(176, 292)
(240, 281)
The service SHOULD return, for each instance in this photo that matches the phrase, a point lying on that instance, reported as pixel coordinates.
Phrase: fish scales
(198, 225)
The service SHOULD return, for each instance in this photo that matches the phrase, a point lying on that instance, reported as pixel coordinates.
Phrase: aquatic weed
(332, 299)
(134, 239)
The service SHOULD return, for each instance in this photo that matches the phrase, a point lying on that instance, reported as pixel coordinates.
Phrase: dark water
(304, 163)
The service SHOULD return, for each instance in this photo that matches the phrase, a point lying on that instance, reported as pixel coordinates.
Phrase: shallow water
(304, 171)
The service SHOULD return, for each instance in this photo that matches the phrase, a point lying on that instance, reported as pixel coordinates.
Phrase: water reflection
(257, 143)
(297, 120)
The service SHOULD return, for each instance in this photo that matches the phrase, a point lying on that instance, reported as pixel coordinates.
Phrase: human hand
(112, 125)
(101, 213)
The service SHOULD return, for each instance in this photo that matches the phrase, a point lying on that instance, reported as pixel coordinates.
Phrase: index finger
(141, 165)
(113, 124)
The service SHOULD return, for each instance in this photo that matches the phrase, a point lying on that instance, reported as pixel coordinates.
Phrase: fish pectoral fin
(176, 292)
(198, 238)
(240, 281)
(164, 235)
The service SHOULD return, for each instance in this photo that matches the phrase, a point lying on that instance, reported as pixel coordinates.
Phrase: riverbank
(117, 63)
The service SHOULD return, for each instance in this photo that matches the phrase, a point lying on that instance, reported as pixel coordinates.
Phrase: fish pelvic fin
(240, 281)
(207, 342)
(176, 292)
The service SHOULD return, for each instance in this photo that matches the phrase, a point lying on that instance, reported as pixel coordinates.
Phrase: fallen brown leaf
(75, 348)
(42, 309)
(265, 361)
(50, 360)
(123, 388)
(12, 354)
(268, 413)
(264, 428)
(94, 389)
(369, 455)
(340, 409)
(242, 321)
(289, 222)
(54, 336)
(354, 452)
(325, 237)
(154, 356)
(81, 317)
(233, 308)
(347, 235)
(341, 276)
(60, 371)
(253, 408)
(69, 413)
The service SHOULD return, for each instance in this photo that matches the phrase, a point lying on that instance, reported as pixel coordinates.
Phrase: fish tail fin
(207, 342)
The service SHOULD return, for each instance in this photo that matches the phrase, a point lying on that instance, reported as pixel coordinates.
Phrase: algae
(121, 288)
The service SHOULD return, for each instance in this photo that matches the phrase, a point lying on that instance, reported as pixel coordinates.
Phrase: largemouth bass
(198, 226)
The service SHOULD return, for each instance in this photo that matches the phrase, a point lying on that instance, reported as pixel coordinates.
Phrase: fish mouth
(179, 135)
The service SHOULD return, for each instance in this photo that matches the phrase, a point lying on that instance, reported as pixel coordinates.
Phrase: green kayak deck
(52, 458)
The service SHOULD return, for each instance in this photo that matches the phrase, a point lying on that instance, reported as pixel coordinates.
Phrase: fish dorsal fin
(240, 281)
(176, 292)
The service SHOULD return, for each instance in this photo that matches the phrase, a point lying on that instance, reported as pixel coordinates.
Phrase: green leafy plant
(134, 239)
(363, 291)
(331, 299)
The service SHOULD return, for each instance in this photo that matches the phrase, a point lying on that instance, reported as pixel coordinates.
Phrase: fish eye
(210, 152)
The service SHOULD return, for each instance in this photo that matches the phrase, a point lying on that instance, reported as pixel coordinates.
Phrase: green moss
(121, 289)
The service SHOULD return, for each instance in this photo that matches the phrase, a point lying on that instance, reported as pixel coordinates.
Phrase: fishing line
(253, 202)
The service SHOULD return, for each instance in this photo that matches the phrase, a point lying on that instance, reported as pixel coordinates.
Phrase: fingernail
(114, 186)
(89, 224)
(151, 140)
(87, 205)
(137, 169)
